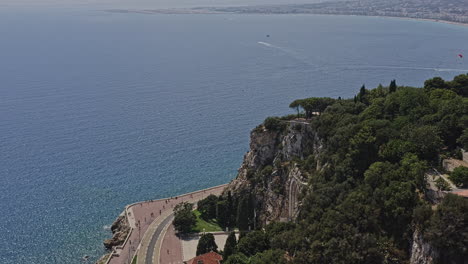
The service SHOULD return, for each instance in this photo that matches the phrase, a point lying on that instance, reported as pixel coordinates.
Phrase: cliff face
(273, 172)
(421, 251)
(270, 172)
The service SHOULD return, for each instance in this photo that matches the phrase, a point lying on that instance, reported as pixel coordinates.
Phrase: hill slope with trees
(364, 161)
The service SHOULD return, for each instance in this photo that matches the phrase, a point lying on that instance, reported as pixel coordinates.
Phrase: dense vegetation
(364, 205)
(184, 217)
(459, 176)
(206, 244)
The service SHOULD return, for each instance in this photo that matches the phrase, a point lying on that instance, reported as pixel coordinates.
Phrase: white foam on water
(288, 52)
(265, 44)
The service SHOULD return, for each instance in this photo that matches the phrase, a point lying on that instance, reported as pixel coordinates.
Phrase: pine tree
(362, 94)
(392, 88)
(230, 246)
(231, 221)
(206, 244)
(245, 212)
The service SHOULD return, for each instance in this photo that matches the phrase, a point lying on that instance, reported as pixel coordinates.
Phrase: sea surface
(99, 109)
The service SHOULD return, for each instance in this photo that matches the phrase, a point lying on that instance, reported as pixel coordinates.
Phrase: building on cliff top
(208, 258)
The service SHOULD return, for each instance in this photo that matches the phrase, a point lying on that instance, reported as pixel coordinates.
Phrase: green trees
(442, 185)
(459, 176)
(393, 87)
(434, 83)
(296, 105)
(368, 191)
(184, 217)
(206, 244)
(253, 242)
(274, 124)
(226, 211)
(463, 139)
(312, 105)
(245, 212)
(362, 95)
(448, 229)
(268, 257)
(207, 207)
(222, 208)
(230, 246)
(426, 140)
(459, 84)
(237, 258)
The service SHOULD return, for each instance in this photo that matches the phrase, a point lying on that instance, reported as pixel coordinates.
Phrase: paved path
(155, 238)
(148, 214)
(152, 241)
(171, 250)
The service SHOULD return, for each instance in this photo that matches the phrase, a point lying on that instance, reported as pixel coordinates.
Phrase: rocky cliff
(271, 171)
(421, 251)
(120, 229)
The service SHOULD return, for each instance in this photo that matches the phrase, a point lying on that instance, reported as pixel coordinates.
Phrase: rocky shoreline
(120, 229)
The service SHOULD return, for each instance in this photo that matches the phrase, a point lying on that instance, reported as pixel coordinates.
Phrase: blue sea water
(99, 110)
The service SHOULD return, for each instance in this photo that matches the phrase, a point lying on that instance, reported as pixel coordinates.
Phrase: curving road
(157, 235)
(153, 238)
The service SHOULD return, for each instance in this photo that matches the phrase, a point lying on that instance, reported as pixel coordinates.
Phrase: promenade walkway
(145, 218)
(150, 247)
(171, 250)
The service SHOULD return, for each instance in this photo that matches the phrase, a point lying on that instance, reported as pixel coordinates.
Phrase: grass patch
(134, 261)
(207, 226)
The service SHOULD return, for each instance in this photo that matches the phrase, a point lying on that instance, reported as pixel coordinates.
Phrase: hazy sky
(143, 3)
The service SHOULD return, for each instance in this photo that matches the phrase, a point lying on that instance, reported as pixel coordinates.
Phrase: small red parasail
(460, 55)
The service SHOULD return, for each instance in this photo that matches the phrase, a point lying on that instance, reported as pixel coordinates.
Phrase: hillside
(345, 180)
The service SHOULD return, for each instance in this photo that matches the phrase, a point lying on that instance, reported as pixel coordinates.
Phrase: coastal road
(157, 237)
(153, 238)
(144, 217)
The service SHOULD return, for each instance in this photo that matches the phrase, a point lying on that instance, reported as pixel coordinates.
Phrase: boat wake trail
(288, 52)
(273, 46)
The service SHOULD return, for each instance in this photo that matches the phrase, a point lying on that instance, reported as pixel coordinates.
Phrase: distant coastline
(210, 11)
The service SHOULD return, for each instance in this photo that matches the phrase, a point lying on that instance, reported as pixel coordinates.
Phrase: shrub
(274, 124)
(237, 258)
(442, 185)
(459, 176)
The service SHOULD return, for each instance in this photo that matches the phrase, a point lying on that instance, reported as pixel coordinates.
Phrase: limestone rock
(120, 229)
(277, 192)
(421, 251)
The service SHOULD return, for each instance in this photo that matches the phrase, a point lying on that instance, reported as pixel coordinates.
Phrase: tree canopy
(231, 245)
(184, 217)
(206, 244)
(368, 194)
(459, 176)
(312, 105)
